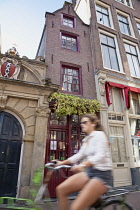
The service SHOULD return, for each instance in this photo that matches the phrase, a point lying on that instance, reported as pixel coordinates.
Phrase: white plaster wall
(82, 9)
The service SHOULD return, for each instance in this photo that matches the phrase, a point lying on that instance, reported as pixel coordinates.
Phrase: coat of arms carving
(9, 68)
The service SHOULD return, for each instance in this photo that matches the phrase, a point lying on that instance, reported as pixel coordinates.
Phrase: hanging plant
(70, 104)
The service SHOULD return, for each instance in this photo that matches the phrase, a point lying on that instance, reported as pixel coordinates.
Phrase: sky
(22, 23)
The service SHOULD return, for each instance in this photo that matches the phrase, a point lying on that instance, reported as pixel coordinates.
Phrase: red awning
(125, 92)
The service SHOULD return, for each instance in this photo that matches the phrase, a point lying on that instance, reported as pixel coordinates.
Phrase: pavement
(133, 198)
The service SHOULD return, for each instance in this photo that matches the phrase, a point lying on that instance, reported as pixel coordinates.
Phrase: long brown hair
(94, 119)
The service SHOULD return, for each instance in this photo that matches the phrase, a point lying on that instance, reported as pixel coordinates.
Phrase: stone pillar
(130, 149)
(100, 79)
(42, 114)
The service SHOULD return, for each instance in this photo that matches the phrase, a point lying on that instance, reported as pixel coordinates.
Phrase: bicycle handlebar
(52, 166)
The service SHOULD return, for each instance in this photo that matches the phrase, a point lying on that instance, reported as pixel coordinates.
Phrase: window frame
(132, 106)
(63, 65)
(76, 37)
(117, 51)
(69, 17)
(125, 3)
(138, 54)
(129, 23)
(97, 2)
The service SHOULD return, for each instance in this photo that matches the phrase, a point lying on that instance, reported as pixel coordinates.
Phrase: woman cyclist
(93, 177)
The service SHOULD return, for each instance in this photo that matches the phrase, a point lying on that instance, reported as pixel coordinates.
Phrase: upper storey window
(133, 59)
(124, 24)
(109, 52)
(68, 21)
(126, 2)
(70, 81)
(102, 15)
(69, 42)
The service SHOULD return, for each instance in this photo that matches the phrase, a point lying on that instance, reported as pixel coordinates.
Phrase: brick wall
(55, 55)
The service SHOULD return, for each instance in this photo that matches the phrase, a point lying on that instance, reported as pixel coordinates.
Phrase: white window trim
(117, 51)
(138, 52)
(129, 21)
(109, 12)
(131, 5)
(137, 21)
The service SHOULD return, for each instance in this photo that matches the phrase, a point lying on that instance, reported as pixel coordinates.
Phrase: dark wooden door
(10, 147)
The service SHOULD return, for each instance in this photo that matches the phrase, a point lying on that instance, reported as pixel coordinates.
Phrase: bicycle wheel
(117, 205)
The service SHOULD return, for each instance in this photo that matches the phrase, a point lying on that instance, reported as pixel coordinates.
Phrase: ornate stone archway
(27, 97)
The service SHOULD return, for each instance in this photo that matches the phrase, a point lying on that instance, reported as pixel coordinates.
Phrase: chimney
(73, 2)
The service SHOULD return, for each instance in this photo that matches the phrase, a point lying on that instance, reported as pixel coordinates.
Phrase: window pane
(131, 66)
(106, 20)
(106, 58)
(126, 29)
(133, 50)
(121, 27)
(113, 59)
(117, 100)
(98, 8)
(127, 48)
(99, 18)
(136, 65)
(110, 41)
(70, 80)
(103, 39)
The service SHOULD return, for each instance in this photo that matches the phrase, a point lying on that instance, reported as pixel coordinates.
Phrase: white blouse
(96, 150)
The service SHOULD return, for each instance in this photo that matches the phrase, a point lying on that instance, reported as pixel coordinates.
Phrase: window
(122, 1)
(118, 148)
(69, 42)
(138, 27)
(124, 24)
(126, 2)
(133, 60)
(68, 21)
(135, 104)
(102, 15)
(117, 102)
(109, 53)
(70, 80)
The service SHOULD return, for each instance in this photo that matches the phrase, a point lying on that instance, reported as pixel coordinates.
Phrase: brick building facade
(68, 54)
(107, 57)
(115, 37)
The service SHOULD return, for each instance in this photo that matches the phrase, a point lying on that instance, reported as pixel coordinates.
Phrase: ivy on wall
(66, 104)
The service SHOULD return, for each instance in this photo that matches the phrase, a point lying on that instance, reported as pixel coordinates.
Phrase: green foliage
(26, 204)
(70, 104)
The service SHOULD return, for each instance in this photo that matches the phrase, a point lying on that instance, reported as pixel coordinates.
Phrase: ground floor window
(118, 148)
(64, 136)
(135, 136)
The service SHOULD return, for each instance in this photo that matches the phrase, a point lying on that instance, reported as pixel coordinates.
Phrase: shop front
(63, 140)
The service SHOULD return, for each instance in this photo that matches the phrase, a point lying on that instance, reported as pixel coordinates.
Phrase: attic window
(68, 21)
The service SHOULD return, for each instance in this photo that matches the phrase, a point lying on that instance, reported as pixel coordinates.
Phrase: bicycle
(112, 200)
